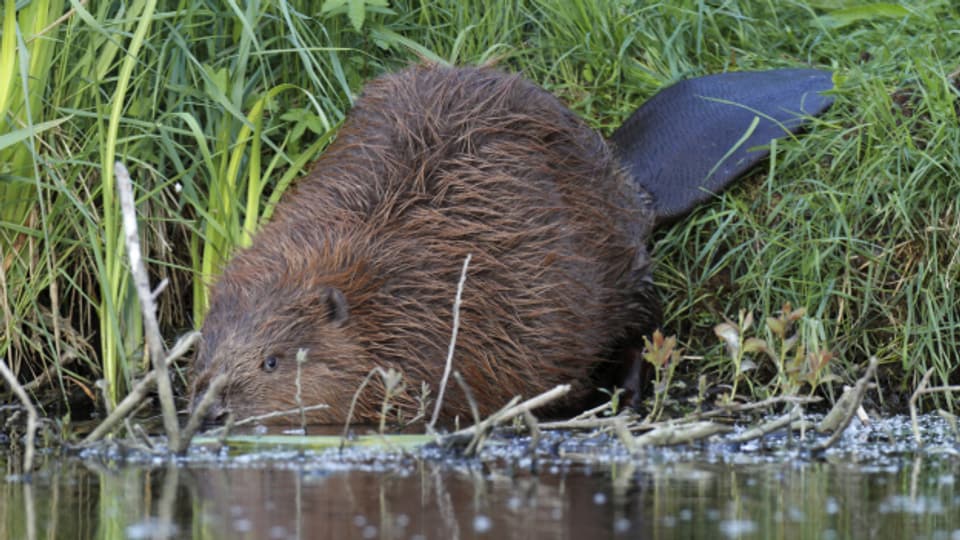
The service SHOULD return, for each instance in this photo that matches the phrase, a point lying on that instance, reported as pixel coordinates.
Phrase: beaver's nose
(215, 413)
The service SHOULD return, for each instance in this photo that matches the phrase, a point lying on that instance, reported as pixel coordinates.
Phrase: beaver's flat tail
(694, 138)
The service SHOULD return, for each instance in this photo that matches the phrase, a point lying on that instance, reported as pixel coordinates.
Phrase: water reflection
(322, 497)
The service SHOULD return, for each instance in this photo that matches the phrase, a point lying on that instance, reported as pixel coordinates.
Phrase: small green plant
(662, 353)
(795, 365)
(393, 386)
(356, 9)
(732, 335)
(613, 407)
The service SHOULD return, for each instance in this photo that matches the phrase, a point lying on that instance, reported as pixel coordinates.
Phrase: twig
(781, 421)
(55, 23)
(531, 421)
(586, 423)
(32, 417)
(353, 404)
(744, 407)
(301, 358)
(453, 343)
(682, 433)
(507, 413)
(196, 419)
(230, 424)
(939, 389)
(474, 410)
(139, 391)
(480, 435)
(147, 305)
(850, 407)
(913, 404)
(224, 430)
(51, 370)
(591, 412)
(620, 427)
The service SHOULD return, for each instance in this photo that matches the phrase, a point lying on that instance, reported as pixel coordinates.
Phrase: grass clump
(217, 108)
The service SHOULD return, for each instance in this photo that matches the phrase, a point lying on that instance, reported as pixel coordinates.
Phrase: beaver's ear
(336, 303)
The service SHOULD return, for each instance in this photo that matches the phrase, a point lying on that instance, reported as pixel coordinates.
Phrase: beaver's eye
(270, 363)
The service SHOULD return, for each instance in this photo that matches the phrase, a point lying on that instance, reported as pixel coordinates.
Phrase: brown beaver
(360, 265)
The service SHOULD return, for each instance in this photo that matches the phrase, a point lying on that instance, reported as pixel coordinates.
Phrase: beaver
(360, 265)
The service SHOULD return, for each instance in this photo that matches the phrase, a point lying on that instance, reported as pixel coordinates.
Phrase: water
(568, 489)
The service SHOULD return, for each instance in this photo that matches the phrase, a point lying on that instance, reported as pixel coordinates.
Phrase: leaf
(847, 16)
(796, 314)
(777, 326)
(331, 5)
(357, 10)
(789, 343)
(754, 345)
(217, 83)
(747, 365)
(14, 137)
(747, 321)
(730, 335)
(660, 351)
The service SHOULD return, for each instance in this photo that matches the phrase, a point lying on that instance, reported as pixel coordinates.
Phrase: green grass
(216, 107)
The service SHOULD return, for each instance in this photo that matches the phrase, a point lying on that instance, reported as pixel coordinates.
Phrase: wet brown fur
(432, 164)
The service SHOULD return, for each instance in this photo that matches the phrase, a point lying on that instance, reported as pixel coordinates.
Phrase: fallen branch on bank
(140, 391)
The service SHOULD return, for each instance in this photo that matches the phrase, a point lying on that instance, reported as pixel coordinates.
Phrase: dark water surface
(872, 487)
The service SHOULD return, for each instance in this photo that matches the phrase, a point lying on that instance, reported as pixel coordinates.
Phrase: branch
(147, 305)
(139, 391)
(453, 343)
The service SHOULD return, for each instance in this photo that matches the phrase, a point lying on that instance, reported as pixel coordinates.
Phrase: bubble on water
(277, 532)
(796, 515)
(685, 514)
(556, 513)
(369, 531)
(735, 528)
(152, 528)
(599, 498)
(242, 525)
(359, 520)
(621, 525)
(902, 504)
(514, 503)
(482, 524)
(402, 520)
(832, 506)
